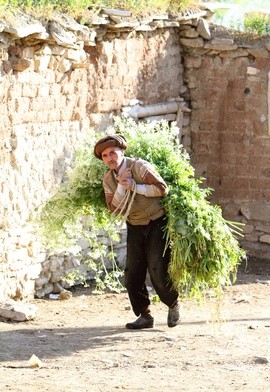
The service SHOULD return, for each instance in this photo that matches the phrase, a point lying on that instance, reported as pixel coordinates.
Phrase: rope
(125, 201)
(131, 202)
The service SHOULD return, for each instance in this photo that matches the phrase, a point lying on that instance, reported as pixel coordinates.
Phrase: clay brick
(54, 115)
(260, 183)
(235, 184)
(29, 90)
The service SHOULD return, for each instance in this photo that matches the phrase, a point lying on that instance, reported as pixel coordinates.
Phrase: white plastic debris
(34, 361)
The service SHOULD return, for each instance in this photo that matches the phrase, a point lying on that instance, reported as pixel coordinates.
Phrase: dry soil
(83, 345)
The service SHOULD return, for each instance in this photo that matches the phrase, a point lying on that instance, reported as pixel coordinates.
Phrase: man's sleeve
(152, 184)
(113, 197)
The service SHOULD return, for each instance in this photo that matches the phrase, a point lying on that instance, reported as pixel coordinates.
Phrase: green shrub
(257, 23)
(77, 8)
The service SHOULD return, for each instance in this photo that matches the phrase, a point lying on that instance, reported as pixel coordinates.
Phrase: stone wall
(50, 95)
(57, 80)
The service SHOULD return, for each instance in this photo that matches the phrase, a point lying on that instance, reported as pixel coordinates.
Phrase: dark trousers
(145, 251)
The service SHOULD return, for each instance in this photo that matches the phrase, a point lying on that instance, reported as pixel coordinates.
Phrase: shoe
(174, 316)
(141, 322)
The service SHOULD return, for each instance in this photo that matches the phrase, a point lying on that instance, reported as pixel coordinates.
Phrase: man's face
(113, 157)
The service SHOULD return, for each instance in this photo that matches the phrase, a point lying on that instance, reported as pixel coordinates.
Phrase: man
(134, 189)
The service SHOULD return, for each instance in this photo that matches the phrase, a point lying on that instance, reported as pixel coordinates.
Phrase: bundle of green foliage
(204, 250)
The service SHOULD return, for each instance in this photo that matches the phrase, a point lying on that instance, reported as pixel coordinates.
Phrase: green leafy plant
(205, 251)
(257, 23)
(244, 16)
(77, 8)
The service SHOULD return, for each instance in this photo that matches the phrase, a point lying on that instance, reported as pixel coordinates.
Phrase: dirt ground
(83, 345)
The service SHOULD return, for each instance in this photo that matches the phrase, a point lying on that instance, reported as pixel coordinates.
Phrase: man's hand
(128, 183)
(127, 174)
(126, 180)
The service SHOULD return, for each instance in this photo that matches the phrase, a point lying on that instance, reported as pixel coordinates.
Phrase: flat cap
(109, 141)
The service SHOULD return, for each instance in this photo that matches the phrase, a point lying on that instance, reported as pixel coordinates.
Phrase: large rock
(23, 25)
(259, 211)
(18, 311)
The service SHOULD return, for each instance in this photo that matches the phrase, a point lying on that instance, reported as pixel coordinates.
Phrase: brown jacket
(145, 207)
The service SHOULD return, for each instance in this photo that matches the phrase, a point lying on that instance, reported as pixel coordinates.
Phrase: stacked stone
(61, 271)
(54, 270)
(23, 256)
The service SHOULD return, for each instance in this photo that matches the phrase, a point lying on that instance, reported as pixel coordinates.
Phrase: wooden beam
(157, 109)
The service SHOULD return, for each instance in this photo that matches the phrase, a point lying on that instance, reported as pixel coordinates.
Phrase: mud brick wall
(231, 141)
(145, 67)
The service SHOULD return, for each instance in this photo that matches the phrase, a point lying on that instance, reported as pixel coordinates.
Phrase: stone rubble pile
(18, 311)
(61, 271)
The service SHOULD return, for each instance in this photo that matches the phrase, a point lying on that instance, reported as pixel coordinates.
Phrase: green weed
(77, 8)
(257, 23)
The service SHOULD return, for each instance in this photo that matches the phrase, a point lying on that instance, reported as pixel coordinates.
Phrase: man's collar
(122, 167)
